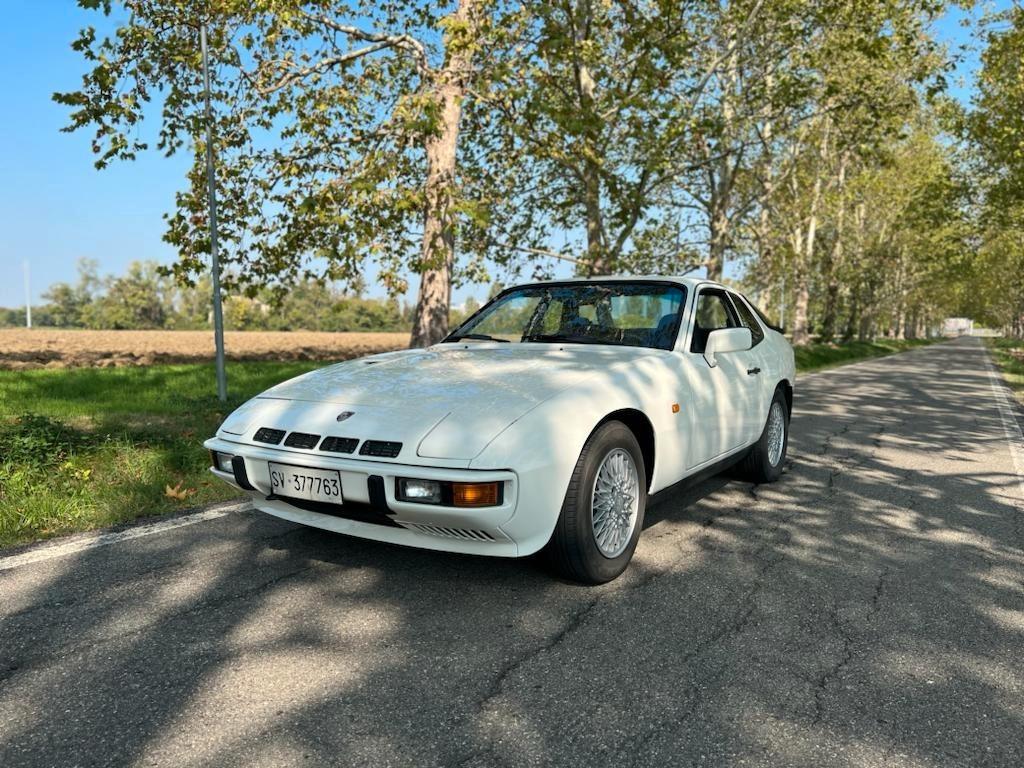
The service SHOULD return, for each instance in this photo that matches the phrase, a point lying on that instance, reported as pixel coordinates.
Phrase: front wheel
(603, 511)
(764, 462)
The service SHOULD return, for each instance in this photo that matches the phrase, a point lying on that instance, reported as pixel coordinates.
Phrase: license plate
(305, 483)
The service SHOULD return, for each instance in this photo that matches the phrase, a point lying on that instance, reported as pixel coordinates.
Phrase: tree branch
(295, 75)
(538, 252)
(405, 42)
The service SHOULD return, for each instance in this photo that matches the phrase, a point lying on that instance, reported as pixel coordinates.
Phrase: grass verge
(1009, 356)
(817, 357)
(91, 447)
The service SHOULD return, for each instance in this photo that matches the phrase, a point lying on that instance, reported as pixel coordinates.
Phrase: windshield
(630, 314)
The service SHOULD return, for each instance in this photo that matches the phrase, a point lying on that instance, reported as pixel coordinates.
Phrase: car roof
(686, 280)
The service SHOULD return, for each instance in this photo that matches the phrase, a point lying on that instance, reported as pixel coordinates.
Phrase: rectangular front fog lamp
(222, 461)
(420, 491)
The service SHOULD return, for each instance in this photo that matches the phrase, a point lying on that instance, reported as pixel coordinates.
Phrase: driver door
(721, 396)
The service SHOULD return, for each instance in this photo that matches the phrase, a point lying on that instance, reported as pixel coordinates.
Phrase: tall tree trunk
(859, 223)
(725, 167)
(597, 260)
(719, 222)
(852, 318)
(898, 316)
(718, 232)
(437, 253)
(801, 302)
(835, 258)
(801, 321)
(863, 329)
(763, 227)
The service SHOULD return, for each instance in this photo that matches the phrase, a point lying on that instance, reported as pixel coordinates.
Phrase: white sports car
(543, 422)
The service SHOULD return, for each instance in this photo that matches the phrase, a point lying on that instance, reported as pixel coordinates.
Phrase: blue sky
(56, 208)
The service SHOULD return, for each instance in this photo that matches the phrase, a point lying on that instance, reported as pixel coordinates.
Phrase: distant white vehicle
(957, 326)
(543, 421)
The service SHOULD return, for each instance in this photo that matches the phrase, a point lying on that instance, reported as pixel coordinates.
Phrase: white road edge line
(44, 552)
(1011, 427)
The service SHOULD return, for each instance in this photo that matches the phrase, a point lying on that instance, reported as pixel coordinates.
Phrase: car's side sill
(700, 475)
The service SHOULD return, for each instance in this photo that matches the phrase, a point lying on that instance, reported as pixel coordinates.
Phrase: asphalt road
(868, 609)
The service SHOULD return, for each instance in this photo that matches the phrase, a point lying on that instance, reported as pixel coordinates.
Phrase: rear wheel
(603, 511)
(764, 462)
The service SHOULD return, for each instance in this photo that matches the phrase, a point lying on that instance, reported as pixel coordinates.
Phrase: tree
(760, 90)
(860, 80)
(593, 105)
(336, 129)
(66, 303)
(996, 129)
(139, 299)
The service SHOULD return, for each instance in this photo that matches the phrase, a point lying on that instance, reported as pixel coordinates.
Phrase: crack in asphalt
(581, 615)
(508, 669)
(877, 596)
(730, 628)
(727, 630)
(827, 443)
(836, 465)
(833, 671)
(846, 656)
(575, 621)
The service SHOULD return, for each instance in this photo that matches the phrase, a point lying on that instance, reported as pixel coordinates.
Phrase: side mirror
(727, 340)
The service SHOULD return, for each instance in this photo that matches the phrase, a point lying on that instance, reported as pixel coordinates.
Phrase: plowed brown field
(22, 348)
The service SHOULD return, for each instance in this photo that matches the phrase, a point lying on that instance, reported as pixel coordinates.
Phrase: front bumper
(371, 510)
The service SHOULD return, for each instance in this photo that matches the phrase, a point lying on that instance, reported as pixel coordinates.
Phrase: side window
(747, 319)
(713, 312)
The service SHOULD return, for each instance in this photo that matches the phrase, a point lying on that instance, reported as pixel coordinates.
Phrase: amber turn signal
(476, 494)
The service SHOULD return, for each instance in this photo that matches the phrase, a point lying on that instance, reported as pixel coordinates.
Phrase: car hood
(448, 401)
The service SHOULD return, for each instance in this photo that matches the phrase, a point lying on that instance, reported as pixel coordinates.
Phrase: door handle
(753, 371)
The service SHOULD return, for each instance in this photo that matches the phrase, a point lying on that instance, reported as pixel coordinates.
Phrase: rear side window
(747, 319)
(714, 311)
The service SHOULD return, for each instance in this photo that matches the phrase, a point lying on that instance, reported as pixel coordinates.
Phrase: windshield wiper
(477, 337)
(561, 337)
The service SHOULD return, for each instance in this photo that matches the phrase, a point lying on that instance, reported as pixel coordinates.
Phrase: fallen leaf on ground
(177, 492)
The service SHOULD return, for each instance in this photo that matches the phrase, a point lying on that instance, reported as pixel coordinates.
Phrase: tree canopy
(803, 148)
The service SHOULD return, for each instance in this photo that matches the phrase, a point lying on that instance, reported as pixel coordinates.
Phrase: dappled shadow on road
(869, 607)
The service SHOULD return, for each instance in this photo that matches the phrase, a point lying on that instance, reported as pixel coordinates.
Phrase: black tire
(573, 550)
(757, 466)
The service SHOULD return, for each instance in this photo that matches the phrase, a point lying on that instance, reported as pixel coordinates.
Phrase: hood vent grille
(331, 444)
(383, 448)
(302, 440)
(268, 435)
(339, 444)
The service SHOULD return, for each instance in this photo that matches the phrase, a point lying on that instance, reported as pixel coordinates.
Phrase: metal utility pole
(28, 296)
(211, 186)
